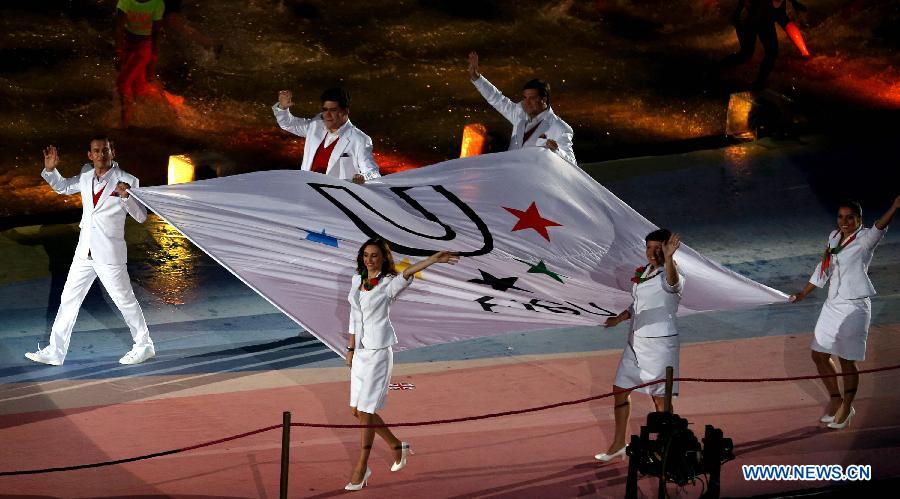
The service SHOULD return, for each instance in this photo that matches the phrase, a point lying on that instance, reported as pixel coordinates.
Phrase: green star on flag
(541, 268)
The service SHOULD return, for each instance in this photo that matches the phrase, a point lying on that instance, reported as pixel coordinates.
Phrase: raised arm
(439, 257)
(52, 176)
(286, 120)
(885, 219)
(669, 249)
(474, 74)
(509, 109)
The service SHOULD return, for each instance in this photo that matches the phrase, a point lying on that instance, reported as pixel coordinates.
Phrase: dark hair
(337, 94)
(658, 235)
(101, 137)
(853, 205)
(387, 264)
(541, 86)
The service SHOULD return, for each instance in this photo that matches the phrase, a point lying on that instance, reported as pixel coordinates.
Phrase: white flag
(542, 245)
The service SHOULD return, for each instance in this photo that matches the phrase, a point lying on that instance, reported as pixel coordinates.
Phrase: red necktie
(529, 133)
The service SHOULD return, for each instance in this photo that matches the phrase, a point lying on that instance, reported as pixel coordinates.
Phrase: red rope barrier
(233, 437)
(588, 399)
(436, 422)
(791, 378)
(138, 458)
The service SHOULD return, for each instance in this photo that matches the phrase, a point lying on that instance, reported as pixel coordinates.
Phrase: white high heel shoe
(841, 426)
(360, 485)
(828, 418)
(609, 457)
(405, 451)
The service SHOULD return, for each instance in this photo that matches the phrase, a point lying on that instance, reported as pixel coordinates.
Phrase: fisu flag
(541, 245)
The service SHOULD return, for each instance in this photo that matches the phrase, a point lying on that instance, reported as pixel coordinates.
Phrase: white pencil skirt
(843, 327)
(645, 360)
(370, 375)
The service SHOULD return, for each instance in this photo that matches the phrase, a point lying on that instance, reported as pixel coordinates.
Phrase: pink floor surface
(541, 454)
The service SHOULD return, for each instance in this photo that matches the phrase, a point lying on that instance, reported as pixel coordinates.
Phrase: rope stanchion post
(670, 376)
(285, 453)
(634, 451)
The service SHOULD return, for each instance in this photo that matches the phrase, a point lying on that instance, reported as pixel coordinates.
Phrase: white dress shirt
(102, 234)
(351, 155)
(551, 126)
(849, 269)
(655, 304)
(370, 311)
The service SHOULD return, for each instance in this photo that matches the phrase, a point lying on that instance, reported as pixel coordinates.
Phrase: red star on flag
(531, 219)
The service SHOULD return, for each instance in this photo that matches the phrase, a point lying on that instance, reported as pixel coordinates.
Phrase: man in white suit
(333, 145)
(534, 122)
(101, 250)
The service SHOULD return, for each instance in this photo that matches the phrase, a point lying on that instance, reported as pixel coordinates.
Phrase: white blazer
(102, 226)
(655, 305)
(849, 269)
(370, 311)
(551, 126)
(351, 155)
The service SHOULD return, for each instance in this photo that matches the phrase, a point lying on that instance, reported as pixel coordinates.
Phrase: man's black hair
(541, 86)
(101, 137)
(337, 94)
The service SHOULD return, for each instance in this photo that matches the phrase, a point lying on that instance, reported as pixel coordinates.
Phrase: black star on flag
(500, 284)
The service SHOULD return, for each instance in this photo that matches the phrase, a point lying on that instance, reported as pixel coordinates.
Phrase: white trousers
(117, 284)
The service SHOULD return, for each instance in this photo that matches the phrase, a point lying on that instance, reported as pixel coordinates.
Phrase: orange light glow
(181, 169)
(473, 140)
(794, 34)
(392, 162)
(736, 124)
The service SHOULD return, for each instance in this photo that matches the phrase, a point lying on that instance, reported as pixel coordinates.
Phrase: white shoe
(828, 418)
(137, 355)
(405, 451)
(44, 356)
(360, 485)
(609, 457)
(840, 426)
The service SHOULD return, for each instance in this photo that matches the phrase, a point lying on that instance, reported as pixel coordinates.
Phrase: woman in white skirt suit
(843, 324)
(376, 285)
(653, 340)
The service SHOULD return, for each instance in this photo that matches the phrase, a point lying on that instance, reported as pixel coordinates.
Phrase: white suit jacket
(370, 311)
(849, 269)
(655, 305)
(102, 227)
(351, 155)
(551, 126)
